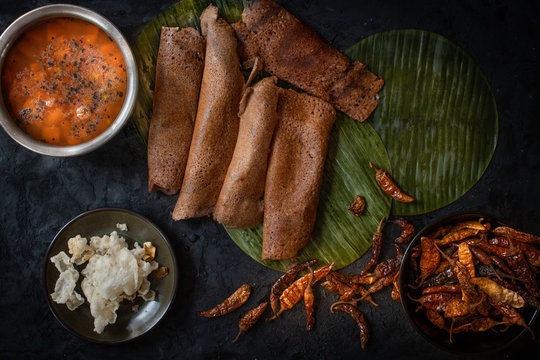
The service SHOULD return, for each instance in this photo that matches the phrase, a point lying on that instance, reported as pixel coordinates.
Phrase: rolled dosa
(294, 175)
(179, 69)
(240, 203)
(216, 123)
(296, 53)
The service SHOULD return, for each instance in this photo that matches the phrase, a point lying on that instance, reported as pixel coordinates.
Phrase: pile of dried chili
(385, 273)
(474, 276)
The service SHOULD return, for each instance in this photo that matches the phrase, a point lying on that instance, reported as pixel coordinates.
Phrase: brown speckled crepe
(294, 175)
(216, 124)
(178, 78)
(240, 203)
(296, 53)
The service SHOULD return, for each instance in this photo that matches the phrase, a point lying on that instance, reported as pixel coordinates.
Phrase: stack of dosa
(240, 202)
(178, 78)
(294, 175)
(296, 53)
(277, 148)
(216, 124)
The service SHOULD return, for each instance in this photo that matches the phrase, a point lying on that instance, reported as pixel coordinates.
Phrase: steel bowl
(463, 343)
(16, 29)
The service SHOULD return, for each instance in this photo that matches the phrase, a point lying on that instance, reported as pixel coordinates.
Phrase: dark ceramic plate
(129, 324)
(466, 343)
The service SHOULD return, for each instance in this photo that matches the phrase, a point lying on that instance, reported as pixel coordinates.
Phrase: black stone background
(40, 194)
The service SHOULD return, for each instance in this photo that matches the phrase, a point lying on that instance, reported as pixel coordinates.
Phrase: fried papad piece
(216, 124)
(296, 53)
(179, 70)
(240, 203)
(295, 170)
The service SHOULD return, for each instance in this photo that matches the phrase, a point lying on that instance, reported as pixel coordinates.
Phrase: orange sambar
(64, 81)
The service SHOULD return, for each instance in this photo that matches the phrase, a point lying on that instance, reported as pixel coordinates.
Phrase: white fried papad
(80, 250)
(64, 289)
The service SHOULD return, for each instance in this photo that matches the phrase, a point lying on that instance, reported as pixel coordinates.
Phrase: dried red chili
(233, 302)
(519, 265)
(377, 286)
(376, 246)
(360, 319)
(456, 307)
(480, 255)
(358, 205)
(446, 277)
(435, 318)
(250, 319)
(429, 259)
(346, 291)
(388, 185)
(511, 315)
(531, 253)
(436, 302)
(440, 232)
(500, 251)
(458, 235)
(499, 241)
(309, 302)
(389, 266)
(447, 288)
(407, 230)
(501, 265)
(465, 257)
(516, 235)
(468, 224)
(477, 325)
(416, 251)
(529, 299)
(357, 279)
(498, 292)
(395, 289)
(295, 292)
(285, 281)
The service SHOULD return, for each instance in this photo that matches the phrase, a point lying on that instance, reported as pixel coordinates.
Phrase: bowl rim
(440, 221)
(46, 261)
(21, 24)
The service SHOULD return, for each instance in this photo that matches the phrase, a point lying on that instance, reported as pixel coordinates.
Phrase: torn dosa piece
(295, 170)
(216, 123)
(240, 203)
(296, 53)
(178, 79)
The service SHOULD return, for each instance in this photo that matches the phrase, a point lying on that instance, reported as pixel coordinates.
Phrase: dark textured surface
(40, 194)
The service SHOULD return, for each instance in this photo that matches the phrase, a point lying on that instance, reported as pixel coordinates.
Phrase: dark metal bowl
(464, 343)
(129, 324)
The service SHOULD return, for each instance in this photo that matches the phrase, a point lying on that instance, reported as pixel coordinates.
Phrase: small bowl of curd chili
(68, 80)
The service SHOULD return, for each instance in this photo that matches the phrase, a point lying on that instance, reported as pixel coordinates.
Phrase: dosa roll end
(217, 121)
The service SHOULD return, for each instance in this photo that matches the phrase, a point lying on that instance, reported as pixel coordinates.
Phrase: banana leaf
(338, 236)
(437, 115)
